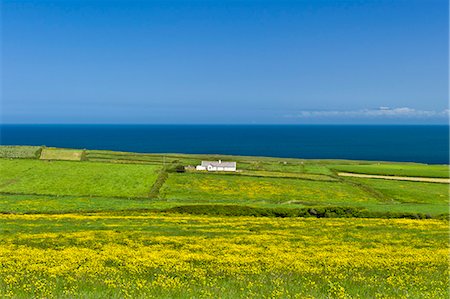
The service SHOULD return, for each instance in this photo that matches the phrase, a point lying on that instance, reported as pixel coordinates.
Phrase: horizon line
(224, 124)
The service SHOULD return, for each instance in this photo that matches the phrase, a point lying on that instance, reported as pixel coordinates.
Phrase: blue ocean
(426, 144)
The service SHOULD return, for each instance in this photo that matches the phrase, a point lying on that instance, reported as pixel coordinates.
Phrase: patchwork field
(76, 178)
(276, 174)
(24, 203)
(23, 152)
(209, 187)
(61, 154)
(261, 183)
(111, 226)
(409, 192)
(413, 170)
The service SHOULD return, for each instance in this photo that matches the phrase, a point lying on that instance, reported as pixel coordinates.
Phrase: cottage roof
(218, 164)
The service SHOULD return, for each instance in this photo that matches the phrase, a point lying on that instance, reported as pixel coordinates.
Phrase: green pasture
(211, 187)
(76, 178)
(20, 203)
(273, 174)
(409, 192)
(414, 170)
(124, 157)
(280, 165)
(114, 181)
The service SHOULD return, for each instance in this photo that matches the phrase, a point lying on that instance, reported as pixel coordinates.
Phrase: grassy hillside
(409, 192)
(262, 182)
(128, 225)
(19, 203)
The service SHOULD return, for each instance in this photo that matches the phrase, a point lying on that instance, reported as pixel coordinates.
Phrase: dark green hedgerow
(318, 212)
(162, 177)
(22, 152)
(238, 210)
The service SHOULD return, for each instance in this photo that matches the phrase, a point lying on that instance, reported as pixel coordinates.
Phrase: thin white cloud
(382, 112)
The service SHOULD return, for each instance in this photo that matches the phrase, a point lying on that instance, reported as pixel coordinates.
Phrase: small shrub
(176, 168)
(180, 169)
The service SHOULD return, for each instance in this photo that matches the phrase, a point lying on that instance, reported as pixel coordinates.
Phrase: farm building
(217, 166)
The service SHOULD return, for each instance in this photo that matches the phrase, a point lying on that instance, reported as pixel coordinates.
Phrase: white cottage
(217, 166)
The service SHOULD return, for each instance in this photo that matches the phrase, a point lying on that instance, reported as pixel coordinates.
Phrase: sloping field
(213, 187)
(395, 178)
(156, 256)
(263, 182)
(61, 154)
(125, 157)
(76, 178)
(410, 192)
(24, 203)
(413, 170)
(124, 241)
(274, 174)
(280, 165)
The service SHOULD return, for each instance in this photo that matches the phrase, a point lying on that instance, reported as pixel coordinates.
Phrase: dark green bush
(176, 168)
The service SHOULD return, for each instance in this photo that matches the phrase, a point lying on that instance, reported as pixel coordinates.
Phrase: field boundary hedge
(72, 195)
(248, 211)
(317, 212)
(20, 152)
(160, 180)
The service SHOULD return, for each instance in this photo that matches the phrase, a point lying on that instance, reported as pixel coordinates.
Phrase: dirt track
(397, 178)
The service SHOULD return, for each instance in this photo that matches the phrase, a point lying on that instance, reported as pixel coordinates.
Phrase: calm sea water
(428, 144)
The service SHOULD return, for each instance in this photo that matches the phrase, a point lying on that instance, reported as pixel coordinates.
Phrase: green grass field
(262, 182)
(18, 203)
(127, 225)
(76, 178)
(409, 192)
(414, 170)
(279, 174)
(211, 187)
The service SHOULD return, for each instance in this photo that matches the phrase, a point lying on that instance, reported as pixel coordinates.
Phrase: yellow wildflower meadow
(154, 255)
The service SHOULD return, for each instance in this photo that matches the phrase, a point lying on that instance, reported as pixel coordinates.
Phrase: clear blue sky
(283, 62)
